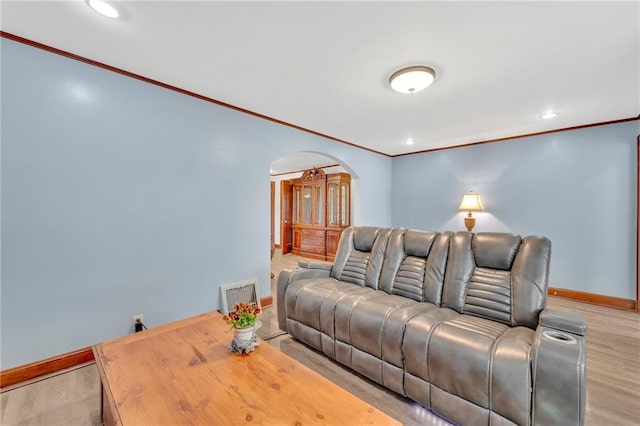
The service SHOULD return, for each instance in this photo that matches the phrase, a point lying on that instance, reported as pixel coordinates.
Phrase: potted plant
(244, 321)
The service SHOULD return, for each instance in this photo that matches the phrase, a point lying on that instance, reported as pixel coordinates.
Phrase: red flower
(243, 316)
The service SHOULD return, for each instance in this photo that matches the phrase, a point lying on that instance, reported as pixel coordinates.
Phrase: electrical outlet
(138, 319)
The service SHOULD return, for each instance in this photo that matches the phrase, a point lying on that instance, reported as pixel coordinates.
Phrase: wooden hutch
(321, 211)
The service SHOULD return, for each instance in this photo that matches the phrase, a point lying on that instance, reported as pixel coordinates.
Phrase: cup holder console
(559, 336)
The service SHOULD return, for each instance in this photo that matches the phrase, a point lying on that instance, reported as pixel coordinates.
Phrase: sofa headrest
(418, 243)
(364, 237)
(495, 250)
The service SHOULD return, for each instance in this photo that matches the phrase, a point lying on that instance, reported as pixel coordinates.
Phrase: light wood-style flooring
(613, 375)
(613, 363)
(70, 397)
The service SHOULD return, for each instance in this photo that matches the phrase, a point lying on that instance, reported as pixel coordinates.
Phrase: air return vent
(246, 292)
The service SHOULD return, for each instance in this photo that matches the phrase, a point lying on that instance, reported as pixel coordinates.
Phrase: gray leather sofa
(454, 321)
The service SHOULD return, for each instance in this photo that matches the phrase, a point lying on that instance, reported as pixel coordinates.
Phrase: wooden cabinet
(297, 240)
(338, 210)
(321, 210)
(332, 240)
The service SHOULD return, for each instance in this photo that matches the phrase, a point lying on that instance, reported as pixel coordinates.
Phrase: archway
(292, 166)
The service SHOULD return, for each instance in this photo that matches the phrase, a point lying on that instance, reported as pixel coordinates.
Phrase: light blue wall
(576, 187)
(120, 197)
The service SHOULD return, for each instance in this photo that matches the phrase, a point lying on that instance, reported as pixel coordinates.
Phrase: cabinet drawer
(312, 249)
(312, 241)
(313, 233)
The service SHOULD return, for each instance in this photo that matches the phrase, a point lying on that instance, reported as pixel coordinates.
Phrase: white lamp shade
(471, 202)
(412, 79)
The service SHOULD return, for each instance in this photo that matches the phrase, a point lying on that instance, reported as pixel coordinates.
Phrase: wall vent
(246, 292)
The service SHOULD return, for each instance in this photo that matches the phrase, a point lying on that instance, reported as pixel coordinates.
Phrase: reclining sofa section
(454, 321)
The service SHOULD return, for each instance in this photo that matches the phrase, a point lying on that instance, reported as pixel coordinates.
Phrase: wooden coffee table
(182, 374)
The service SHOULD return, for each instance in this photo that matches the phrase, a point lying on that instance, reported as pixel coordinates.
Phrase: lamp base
(469, 222)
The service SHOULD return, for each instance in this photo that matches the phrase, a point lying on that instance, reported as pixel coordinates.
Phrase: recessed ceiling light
(549, 115)
(412, 79)
(103, 8)
(410, 141)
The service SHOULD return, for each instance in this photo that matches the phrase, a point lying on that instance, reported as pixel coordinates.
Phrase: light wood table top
(182, 374)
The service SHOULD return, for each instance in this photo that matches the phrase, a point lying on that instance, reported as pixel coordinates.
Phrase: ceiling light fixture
(412, 79)
(103, 8)
(410, 141)
(549, 115)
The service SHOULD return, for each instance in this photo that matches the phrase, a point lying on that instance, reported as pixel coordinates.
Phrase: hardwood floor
(613, 363)
(613, 374)
(613, 357)
(69, 397)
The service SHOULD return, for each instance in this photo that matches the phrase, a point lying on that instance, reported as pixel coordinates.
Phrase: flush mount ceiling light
(549, 115)
(412, 79)
(103, 8)
(410, 141)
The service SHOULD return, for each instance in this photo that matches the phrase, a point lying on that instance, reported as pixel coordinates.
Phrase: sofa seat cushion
(376, 324)
(312, 301)
(311, 304)
(376, 329)
(486, 363)
(415, 349)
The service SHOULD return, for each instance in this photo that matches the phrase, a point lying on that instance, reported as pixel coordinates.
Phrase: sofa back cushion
(414, 264)
(360, 254)
(495, 250)
(498, 276)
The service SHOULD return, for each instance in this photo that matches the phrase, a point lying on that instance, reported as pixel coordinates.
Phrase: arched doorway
(284, 171)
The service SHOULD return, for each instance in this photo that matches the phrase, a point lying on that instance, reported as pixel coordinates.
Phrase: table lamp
(471, 202)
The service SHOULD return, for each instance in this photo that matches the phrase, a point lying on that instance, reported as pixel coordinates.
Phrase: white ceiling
(325, 65)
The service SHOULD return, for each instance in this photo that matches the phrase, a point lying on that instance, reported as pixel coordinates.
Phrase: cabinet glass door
(306, 209)
(344, 219)
(332, 203)
(319, 213)
(296, 205)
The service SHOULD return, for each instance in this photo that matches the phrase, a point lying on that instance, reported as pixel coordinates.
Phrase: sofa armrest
(286, 277)
(559, 369)
(307, 264)
(564, 321)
